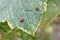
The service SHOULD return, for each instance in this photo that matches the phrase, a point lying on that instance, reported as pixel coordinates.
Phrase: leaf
(53, 9)
(22, 13)
(13, 35)
(9, 36)
(4, 27)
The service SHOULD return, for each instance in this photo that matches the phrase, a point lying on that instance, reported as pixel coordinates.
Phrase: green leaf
(4, 27)
(17, 34)
(9, 36)
(53, 9)
(22, 13)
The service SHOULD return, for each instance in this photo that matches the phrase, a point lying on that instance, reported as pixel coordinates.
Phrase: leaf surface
(15, 10)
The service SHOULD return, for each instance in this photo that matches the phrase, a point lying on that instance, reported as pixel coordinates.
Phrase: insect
(21, 20)
(36, 8)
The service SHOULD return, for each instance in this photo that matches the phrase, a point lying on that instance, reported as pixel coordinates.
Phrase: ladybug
(36, 8)
(21, 20)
